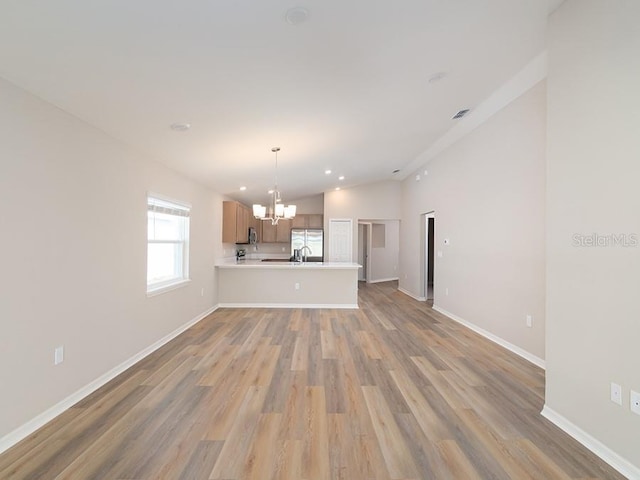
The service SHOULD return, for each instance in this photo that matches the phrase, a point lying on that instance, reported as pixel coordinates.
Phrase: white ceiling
(346, 90)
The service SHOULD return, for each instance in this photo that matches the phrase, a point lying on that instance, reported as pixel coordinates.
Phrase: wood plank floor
(391, 391)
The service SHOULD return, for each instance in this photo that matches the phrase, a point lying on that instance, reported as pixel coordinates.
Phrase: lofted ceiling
(354, 87)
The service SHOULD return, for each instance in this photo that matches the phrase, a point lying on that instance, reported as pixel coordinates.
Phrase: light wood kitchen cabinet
(268, 232)
(315, 221)
(280, 233)
(283, 231)
(299, 221)
(235, 222)
(306, 220)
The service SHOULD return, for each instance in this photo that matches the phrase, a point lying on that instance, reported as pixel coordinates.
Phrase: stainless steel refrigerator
(312, 238)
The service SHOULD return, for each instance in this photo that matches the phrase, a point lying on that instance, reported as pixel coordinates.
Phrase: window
(167, 244)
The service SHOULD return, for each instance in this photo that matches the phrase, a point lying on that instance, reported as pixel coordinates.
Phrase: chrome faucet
(304, 257)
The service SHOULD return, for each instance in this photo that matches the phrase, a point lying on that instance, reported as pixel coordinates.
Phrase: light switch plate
(616, 393)
(58, 355)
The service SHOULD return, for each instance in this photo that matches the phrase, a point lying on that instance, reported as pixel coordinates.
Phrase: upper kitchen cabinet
(280, 233)
(308, 221)
(269, 233)
(235, 222)
(283, 232)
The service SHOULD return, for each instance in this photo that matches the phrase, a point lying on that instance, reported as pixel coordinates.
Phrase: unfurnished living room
(320, 240)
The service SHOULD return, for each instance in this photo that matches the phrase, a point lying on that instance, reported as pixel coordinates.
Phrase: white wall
(377, 200)
(593, 310)
(309, 205)
(487, 191)
(73, 223)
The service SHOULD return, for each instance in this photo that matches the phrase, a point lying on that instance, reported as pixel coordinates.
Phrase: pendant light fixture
(277, 209)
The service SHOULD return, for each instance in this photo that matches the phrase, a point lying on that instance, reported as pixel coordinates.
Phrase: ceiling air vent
(461, 113)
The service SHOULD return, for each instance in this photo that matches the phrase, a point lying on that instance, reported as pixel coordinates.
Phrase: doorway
(429, 255)
(364, 249)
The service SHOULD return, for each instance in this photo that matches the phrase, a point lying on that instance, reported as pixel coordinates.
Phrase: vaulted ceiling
(357, 87)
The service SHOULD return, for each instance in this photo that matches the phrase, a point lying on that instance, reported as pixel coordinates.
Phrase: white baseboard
(621, 464)
(380, 280)
(289, 305)
(34, 424)
(494, 338)
(407, 292)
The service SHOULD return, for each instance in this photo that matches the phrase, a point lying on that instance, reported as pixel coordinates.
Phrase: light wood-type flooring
(393, 390)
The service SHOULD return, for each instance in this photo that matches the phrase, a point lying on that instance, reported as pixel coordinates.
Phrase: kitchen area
(283, 264)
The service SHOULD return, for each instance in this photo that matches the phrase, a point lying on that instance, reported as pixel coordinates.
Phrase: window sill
(158, 290)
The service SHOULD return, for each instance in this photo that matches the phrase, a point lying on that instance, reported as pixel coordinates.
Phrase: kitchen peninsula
(254, 283)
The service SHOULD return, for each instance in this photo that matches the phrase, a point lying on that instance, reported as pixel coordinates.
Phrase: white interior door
(340, 240)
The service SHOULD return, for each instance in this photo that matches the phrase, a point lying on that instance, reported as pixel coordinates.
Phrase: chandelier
(277, 209)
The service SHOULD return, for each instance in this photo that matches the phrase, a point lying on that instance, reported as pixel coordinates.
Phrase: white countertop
(256, 263)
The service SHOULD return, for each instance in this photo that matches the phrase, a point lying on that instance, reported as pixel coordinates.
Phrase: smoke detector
(436, 77)
(296, 15)
(180, 127)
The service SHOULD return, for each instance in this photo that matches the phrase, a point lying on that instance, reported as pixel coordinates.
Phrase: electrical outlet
(446, 291)
(297, 286)
(58, 355)
(616, 393)
(202, 292)
(439, 253)
(529, 321)
(634, 402)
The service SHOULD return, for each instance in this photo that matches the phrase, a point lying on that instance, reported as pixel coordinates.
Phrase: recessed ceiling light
(180, 127)
(341, 177)
(243, 188)
(337, 188)
(436, 77)
(396, 170)
(327, 172)
(296, 15)
(270, 192)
